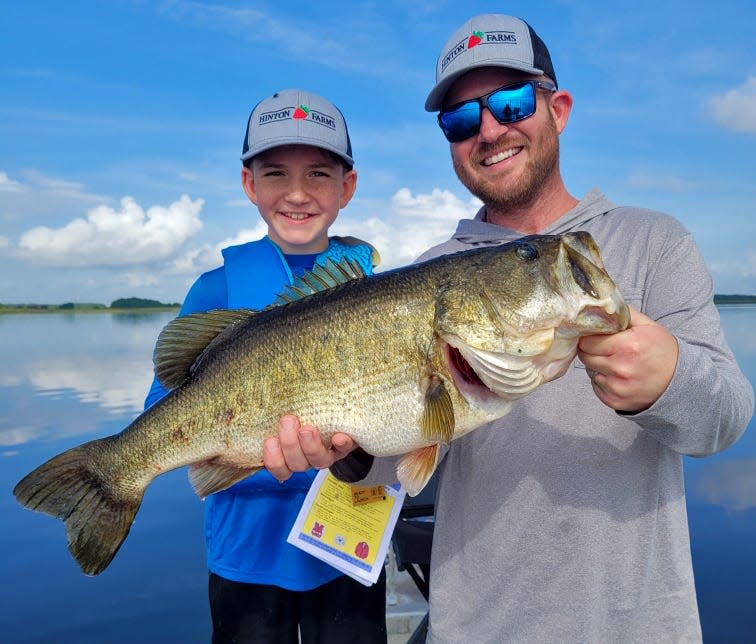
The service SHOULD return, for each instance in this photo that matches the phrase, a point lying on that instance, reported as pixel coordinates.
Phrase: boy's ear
(248, 184)
(349, 185)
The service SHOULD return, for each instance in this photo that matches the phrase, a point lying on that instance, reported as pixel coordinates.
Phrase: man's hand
(630, 370)
(299, 447)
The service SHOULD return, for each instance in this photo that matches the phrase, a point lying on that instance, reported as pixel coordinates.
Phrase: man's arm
(705, 402)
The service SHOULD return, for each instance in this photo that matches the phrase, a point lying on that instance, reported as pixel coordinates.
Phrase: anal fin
(416, 467)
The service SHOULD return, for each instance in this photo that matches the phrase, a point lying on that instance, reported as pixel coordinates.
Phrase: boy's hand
(630, 370)
(299, 447)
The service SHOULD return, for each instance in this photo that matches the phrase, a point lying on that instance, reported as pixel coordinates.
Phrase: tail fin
(72, 488)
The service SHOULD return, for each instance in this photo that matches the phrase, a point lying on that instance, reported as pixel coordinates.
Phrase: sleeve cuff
(354, 467)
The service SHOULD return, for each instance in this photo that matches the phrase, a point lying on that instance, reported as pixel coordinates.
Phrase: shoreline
(72, 308)
(20, 310)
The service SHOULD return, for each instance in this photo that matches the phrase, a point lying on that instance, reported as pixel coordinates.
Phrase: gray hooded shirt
(565, 521)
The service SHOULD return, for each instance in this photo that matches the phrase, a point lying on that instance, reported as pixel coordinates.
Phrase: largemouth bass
(403, 361)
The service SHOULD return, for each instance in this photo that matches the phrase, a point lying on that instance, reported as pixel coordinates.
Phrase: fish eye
(526, 251)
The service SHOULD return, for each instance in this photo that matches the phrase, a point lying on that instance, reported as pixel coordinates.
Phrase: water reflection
(61, 372)
(66, 378)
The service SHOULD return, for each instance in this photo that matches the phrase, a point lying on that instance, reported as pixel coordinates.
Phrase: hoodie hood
(478, 232)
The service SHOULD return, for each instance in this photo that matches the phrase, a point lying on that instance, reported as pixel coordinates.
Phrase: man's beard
(539, 168)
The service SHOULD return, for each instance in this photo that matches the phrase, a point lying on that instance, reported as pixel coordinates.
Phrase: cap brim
(435, 100)
(294, 141)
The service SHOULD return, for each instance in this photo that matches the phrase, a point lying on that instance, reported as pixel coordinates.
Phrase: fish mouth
(465, 378)
(483, 375)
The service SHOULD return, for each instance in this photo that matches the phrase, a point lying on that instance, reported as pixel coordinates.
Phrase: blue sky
(121, 126)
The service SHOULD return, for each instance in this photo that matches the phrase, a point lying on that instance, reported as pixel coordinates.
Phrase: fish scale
(402, 361)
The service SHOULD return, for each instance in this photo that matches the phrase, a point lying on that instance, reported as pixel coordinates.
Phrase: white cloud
(9, 185)
(257, 25)
(58, 188)
(736, 110)
(34, 196)
(197, 260)
(414, 224)
(4, 242)
(442, 205)
(731, 484)
(109, 237)
(744, 266)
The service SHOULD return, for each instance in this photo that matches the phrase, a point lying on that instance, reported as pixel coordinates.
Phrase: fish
(404, 361)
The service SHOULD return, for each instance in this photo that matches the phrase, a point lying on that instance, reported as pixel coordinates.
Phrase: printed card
(349, 530)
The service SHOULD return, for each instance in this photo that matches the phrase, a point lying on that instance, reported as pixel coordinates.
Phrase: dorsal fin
(321, 278)
(184, 339)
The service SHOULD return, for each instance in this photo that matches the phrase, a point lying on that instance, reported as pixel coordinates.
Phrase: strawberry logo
(475, 39)
(301, 112)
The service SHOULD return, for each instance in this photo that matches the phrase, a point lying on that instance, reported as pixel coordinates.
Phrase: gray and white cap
(294, 116)
(489, 40)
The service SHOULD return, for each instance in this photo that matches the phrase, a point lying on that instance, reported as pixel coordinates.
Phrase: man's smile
(501, 156)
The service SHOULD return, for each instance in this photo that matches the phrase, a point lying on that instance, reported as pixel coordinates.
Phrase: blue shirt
(246, 525)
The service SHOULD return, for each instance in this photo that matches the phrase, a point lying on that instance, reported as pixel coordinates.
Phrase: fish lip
(611, 316)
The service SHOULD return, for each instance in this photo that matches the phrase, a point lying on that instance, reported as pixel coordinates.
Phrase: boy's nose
(297, 193)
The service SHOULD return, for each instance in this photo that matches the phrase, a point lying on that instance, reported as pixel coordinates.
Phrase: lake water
(66, 378)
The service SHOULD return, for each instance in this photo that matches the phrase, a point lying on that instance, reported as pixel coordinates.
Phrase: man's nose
(490, 128)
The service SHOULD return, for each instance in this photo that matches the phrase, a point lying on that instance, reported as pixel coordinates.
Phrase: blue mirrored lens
(512, 104)
(462, 122)
(507, 104)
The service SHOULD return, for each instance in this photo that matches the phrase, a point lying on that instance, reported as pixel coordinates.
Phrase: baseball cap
(295, 116)
(489, 40)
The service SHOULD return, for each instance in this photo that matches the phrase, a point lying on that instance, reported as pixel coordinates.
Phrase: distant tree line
(138, 303)
(122, 303)
(735, 299)
(144, 303)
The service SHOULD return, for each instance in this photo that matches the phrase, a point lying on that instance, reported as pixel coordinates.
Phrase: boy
(298, 171)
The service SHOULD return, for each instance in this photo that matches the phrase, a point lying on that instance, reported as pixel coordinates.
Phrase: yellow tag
(362, 494)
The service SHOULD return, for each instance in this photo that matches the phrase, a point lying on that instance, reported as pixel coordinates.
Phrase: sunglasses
(507, 104)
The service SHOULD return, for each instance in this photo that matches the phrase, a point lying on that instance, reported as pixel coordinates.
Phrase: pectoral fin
(415, 468)
(437, 423)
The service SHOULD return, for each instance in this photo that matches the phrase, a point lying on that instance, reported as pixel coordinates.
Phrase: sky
(121, 126)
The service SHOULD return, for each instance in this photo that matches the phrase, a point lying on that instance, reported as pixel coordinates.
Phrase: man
(564, 521)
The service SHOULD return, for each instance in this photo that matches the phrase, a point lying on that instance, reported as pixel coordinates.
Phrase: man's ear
(349, 185)
(560, 104)
(248, 184)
